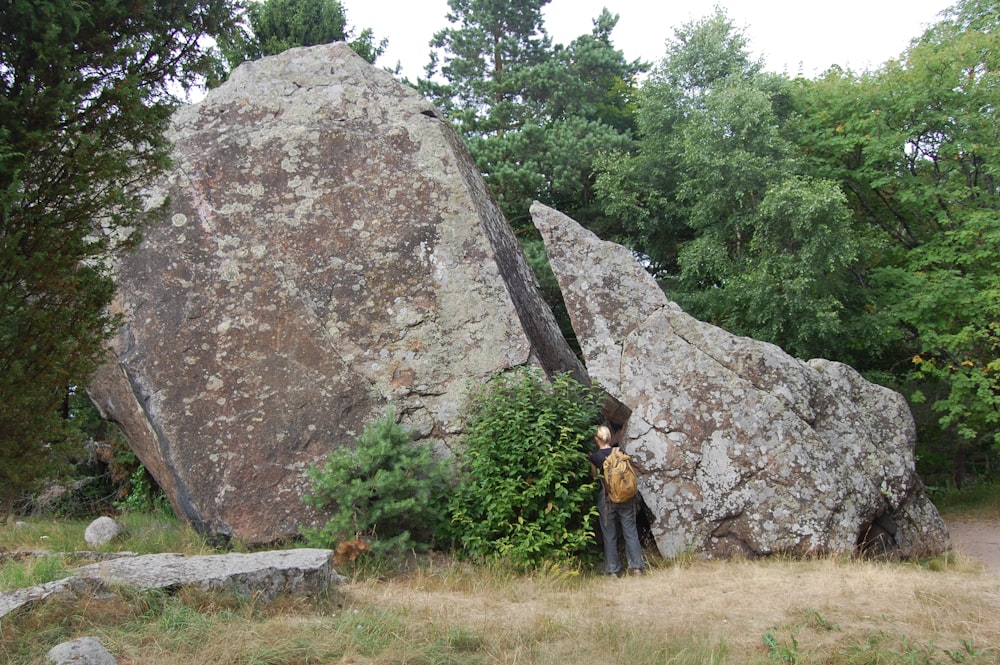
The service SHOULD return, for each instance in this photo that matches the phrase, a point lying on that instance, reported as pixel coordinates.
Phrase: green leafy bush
(387, 491)
(143, 495)
(526, 495)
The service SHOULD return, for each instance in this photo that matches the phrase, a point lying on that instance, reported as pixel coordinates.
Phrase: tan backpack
(620, 481)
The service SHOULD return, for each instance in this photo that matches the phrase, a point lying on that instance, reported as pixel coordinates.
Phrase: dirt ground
(977, 537)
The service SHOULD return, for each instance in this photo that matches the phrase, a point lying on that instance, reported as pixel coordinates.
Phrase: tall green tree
(641, 189)
(915, 146)
(482, 59)
(718, 202)
(270, 27)
(86, 90)
(775, 253)
(534, 116)
(584, 105)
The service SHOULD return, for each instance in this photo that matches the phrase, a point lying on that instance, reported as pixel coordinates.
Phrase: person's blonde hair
(603, 434)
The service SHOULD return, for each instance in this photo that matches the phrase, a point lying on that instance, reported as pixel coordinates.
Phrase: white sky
(794, 36)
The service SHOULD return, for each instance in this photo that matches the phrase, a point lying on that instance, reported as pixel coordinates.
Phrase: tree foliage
(387, 491)
(526, 494)
(717, 200)
(535, 116)
(483, 59)
(642, 187)
(914, 145)
(852, 217)
(271, 27)
(85, 93)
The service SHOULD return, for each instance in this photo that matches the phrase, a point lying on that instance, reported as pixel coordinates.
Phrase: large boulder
(329, 250)
(742, 449)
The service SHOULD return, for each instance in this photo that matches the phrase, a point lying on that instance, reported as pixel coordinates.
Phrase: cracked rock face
(329, 250)
(742, 449)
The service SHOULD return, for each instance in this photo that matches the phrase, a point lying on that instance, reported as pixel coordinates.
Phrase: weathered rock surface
(263, 575)
(102, 531)
(329, 250)
(71, 587)
(82, 651)
(742, 449)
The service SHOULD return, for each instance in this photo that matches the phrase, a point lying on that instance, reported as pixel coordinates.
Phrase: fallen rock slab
(263, 575)
(69, 588)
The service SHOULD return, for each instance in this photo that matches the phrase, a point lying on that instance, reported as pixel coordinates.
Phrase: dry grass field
(823, 610)
(816, 611)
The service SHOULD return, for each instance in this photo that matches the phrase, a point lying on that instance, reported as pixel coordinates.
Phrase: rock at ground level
(69, 588)
(82, 651)
(102, 531)
(263, 575)
(742, 449)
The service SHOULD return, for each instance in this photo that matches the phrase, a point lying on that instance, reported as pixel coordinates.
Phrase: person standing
(615, 515)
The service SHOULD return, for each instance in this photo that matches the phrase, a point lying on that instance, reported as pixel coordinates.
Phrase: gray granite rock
(102, 531)
(69, 588)
(262, 575)
(82, 651)
(329, 250)
(742, 449)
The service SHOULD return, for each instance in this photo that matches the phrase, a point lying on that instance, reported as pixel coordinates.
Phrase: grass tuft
(21, 572)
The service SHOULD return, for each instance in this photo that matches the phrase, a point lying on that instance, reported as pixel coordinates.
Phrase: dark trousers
(613, 516)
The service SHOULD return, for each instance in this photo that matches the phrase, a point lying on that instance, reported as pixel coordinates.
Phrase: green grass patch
(145, 533)
(979, 500)
(22, 572)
